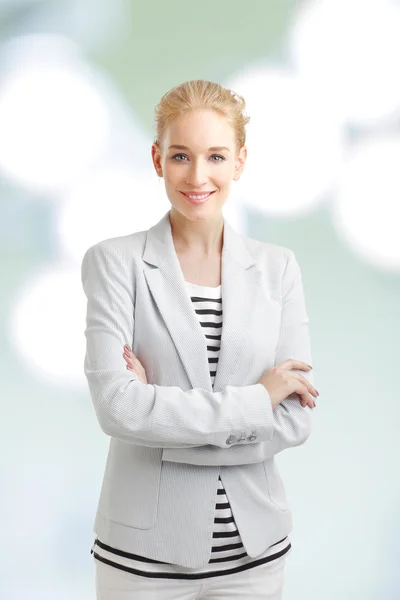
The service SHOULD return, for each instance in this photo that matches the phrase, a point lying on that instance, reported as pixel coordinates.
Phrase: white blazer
(172, 437)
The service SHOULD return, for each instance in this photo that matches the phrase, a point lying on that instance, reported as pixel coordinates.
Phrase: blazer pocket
(131, 485)
(276, 489)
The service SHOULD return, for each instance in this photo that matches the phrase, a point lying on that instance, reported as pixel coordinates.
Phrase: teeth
(198, 197)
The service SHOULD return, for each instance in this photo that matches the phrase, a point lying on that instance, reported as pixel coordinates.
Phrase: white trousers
(264, 582)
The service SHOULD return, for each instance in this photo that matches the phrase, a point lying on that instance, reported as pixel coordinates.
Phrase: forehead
(199, 129)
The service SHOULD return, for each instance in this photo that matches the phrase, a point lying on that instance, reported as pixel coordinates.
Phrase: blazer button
(242, 437)
(252, 437)
(231, 439)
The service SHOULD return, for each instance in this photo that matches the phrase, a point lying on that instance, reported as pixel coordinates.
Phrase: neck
(199, 238)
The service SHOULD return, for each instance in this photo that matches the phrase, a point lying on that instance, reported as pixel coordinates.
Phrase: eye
(218, 157)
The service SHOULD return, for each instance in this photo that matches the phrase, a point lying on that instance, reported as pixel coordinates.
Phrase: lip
(193, 201)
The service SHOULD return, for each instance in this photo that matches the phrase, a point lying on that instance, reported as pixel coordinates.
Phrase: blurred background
(79, 80)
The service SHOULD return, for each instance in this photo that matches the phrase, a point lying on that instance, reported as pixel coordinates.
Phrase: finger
(291, 363)
(135, 363)
(307, 383)
(130, 356)
(302, 401)
(130, 359)
(310, 402)
(302, 391)
(306, 402)
(128, 351)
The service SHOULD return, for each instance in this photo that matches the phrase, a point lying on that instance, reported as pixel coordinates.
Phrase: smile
(197, 198)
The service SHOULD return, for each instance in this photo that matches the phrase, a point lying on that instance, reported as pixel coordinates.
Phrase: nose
(197, 174)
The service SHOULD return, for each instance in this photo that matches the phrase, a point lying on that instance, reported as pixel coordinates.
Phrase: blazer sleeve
(146, 414)
(291, 421)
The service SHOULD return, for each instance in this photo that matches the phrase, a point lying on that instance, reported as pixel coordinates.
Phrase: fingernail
(309, 366)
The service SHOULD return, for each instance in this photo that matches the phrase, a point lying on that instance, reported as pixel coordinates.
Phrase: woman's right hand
(280, 382)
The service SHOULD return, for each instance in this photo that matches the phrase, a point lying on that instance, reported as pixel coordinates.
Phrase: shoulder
(126, 247)
(274, 256)
(277, 263)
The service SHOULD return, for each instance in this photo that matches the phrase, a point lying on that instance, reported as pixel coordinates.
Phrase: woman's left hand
(134, 364)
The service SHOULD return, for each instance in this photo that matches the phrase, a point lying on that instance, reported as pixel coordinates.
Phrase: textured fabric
(227, 554)
(176, 432)
(266, 582)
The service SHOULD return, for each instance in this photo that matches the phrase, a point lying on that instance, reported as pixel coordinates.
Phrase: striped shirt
(227, 554)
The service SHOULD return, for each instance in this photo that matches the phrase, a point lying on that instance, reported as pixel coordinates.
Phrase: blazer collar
(240, 289)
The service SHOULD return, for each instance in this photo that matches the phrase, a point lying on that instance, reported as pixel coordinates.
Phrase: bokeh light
(53, 121)
(351, 49)
(46, 326)
(295, 143)
(367, 207)
(106, 203)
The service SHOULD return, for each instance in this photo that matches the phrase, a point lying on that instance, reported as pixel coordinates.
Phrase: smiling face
(199, 156)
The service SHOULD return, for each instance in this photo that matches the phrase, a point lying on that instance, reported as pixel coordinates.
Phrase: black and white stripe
(227, 553)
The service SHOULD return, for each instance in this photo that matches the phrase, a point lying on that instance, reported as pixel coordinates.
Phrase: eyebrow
(213, 148)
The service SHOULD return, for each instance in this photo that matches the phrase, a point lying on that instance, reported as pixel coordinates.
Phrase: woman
(192, 505)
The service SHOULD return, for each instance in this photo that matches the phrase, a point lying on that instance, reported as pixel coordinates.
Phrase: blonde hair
(199, 93)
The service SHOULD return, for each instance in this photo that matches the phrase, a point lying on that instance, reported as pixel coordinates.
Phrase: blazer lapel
(241, 287)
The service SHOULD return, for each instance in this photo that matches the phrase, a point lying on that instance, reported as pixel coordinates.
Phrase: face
(199, 156)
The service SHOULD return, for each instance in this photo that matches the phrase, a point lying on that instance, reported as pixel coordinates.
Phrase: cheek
(172, 174)
(224, 178)
(227, 172)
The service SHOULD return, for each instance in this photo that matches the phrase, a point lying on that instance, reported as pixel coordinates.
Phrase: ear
(156, 156)
(240, 162)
